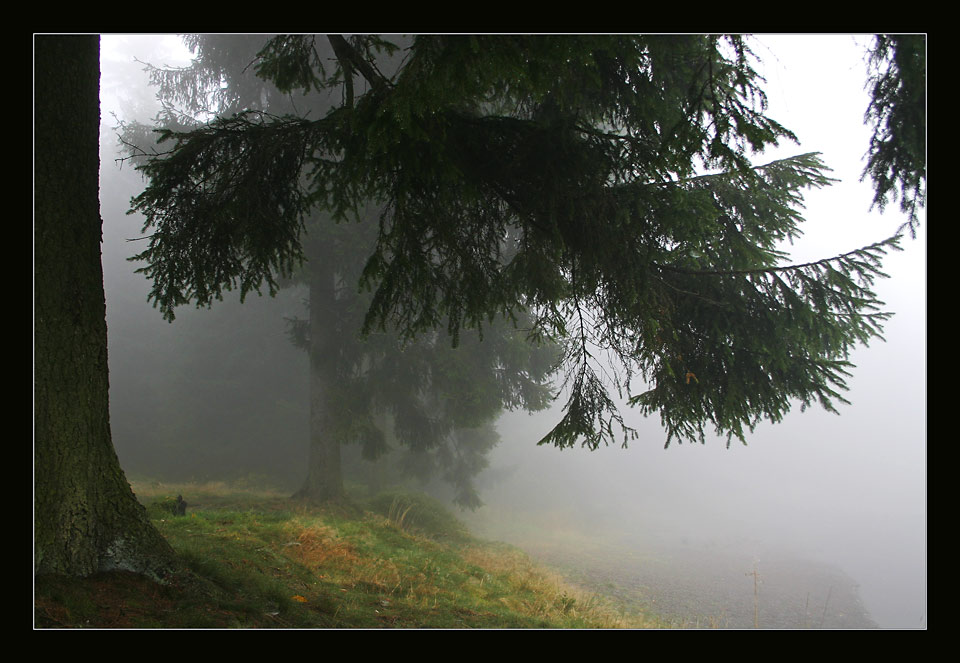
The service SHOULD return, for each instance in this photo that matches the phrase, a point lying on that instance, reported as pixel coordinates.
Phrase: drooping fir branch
(784, 334)
(865, 262)
(728, 347)
(590, 416)
(226, 207)
(897, 158)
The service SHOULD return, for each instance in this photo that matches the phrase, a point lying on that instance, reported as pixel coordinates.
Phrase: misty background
(222, 394)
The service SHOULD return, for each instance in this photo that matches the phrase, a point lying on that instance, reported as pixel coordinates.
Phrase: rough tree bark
(86, 518)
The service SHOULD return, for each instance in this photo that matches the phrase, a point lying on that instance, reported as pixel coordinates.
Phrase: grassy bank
(255, 559)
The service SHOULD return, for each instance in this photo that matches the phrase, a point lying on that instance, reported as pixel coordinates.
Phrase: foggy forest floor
(261, 560)
(256, 559)
(691, 586)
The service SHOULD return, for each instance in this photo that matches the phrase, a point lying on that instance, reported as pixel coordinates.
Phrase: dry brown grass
(316, 545)
(322, 549)
(552, 593)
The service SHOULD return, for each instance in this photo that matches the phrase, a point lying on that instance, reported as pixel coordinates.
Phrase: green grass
(255, 559)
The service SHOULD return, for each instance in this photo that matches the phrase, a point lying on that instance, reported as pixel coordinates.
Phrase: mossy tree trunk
(86, 518)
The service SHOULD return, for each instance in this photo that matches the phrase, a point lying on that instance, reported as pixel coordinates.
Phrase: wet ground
(689, 583)
(703, 588)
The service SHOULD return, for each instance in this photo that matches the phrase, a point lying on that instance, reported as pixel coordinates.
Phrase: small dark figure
(180, 509)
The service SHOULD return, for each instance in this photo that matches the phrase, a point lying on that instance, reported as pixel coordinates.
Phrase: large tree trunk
(86, 518)
(324, 478)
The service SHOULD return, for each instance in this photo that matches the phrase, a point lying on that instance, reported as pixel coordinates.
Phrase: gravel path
(710, 588)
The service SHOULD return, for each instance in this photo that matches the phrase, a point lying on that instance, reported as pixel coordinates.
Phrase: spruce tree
(604, 186)
(436, 403)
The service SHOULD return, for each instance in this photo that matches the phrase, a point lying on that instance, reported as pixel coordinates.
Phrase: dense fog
(222, 394)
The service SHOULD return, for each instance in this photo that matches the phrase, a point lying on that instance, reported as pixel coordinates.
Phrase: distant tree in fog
(436, 401)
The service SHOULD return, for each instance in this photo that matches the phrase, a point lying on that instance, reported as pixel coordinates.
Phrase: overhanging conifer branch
(892, 242)
(511, 177)
(350, 59)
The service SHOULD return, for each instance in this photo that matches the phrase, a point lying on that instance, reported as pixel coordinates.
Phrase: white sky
(869, 465)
